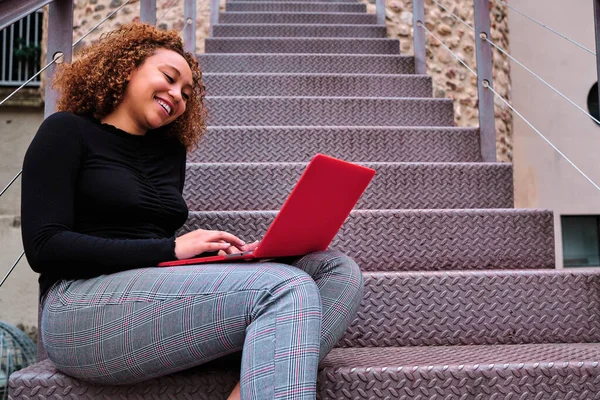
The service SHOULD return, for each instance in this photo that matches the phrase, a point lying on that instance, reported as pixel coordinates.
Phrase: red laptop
(312, 214)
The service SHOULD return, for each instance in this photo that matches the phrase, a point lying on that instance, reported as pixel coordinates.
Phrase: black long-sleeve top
(98, 200)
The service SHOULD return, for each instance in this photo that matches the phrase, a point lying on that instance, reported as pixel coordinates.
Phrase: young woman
(101, 205)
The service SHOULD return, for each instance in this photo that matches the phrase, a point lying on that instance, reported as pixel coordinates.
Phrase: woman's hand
(235, 250)
(201, 241)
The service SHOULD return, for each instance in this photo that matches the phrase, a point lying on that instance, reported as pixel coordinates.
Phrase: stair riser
(465, 372)
(306, 63)
(497, 382)
(294, 7)
(476, 308)
(239, 111)
(395, 240)
(351, 144)
(305, 46)
(306, 1)
(406, 186)
(358, 31)
(315, 85)
(297, 18)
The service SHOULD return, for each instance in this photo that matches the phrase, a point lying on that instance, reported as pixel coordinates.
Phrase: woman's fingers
(226, 236)
(250, 246)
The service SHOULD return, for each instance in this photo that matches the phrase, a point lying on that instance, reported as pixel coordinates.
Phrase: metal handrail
(11, 12)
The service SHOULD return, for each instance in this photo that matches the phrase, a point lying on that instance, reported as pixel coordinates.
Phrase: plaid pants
(138, 324)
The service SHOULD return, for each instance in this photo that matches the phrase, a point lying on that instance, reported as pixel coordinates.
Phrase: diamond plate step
(320, 7)
(302, 45)
(328, 111)
(542, 371)
(265, 186)
(477, 308)
(258, 30)
(406, 240)
(331, 85)
(547, 371)
(306, 1)
(233, 17)
(41, 381)
(376, 144)
(307, 63)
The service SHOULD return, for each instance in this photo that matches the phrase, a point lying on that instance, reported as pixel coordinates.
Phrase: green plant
(25, 52)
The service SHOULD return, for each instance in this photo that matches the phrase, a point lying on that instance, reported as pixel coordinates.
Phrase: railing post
(189, 32)
(148, 11)
(487, 125)
(597, 29)
(60, 41)
(380, 8)
(215, 6)
(419, 36)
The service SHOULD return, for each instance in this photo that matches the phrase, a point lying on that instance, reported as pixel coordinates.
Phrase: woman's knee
(333, 263)
(291, 289)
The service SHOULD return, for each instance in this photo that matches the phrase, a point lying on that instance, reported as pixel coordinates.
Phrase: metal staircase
(461, 298)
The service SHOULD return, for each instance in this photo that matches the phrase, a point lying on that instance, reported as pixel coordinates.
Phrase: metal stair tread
(331, 111)
(409, 185)
(224, 24)
(316, 74)
(476, 357)
(301, 39)
(318, 85)
(323, 8)
(307, 62)
(300, 144)
(433, 239)
(476, 307)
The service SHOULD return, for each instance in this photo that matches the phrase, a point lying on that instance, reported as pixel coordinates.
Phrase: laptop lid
(316, 208)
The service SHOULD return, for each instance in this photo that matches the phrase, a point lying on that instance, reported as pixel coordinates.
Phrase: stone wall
(450, 78)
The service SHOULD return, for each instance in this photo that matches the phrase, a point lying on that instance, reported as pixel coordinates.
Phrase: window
(581, 240)
(20, 49)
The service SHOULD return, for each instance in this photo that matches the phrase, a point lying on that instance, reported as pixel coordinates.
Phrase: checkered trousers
(143, 323)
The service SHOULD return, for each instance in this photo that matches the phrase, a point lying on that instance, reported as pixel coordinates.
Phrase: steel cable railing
(23, 85)
(500, 49)
(459, 19)
(11, 269)
(167, 11)
(489, 87)
(545, 26)
(46, 67)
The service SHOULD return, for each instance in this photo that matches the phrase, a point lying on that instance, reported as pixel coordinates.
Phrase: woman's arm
(50, 173)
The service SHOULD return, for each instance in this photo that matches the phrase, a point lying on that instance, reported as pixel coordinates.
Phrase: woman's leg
(138, 324)
(340, 284)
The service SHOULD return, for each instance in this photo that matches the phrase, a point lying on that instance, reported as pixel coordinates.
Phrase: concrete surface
(18, 295)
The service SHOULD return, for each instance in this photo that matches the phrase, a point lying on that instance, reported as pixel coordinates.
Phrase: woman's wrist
(175, 248)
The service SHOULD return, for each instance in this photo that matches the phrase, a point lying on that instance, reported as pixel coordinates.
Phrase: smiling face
(156, 94)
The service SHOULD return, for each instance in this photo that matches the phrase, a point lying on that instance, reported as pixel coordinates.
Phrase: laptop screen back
(316, 208)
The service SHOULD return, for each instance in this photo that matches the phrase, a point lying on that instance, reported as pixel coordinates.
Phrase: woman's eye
(171, 80)
(186, 96)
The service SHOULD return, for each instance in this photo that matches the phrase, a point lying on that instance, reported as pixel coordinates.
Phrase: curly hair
(95, 84)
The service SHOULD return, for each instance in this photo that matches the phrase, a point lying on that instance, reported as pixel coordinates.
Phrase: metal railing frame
(60, 23)
(597, 34)
(487, 124)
